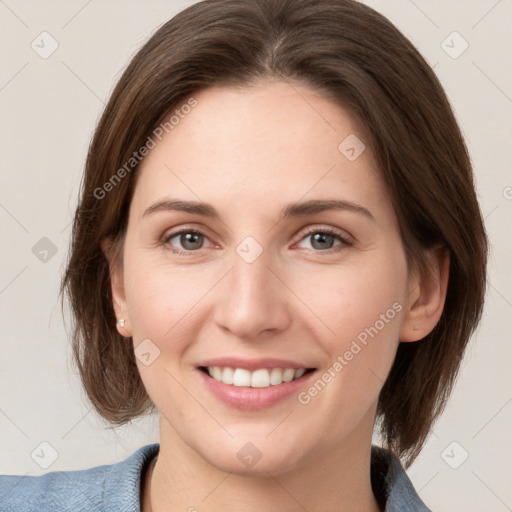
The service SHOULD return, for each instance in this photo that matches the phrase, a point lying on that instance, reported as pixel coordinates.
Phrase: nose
(253, 300)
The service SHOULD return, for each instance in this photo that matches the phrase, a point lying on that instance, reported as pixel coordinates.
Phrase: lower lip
(243, 397)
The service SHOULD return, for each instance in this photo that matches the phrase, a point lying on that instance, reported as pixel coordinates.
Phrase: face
(316, 291)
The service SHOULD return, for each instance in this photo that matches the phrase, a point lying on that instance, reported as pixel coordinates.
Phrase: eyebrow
(299, 209)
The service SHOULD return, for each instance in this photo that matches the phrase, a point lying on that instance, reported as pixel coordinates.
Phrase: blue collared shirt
(116, 487)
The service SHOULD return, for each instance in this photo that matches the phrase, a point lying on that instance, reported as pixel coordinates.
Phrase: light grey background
(49, 110)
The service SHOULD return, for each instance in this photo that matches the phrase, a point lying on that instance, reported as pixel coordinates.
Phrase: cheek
(361, 310)
(362, 314)
(160, 298)
(346, 304)
(162, 306)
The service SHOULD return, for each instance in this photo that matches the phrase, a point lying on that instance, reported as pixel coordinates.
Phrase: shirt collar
(390, 484)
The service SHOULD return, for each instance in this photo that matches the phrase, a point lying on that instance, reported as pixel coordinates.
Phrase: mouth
(258, 378)
(254, 383)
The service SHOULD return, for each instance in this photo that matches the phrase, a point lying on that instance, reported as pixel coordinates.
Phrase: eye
(323, 239)
(191, 240)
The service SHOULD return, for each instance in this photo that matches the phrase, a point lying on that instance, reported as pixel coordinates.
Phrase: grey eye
(188, 240)
(322, 240)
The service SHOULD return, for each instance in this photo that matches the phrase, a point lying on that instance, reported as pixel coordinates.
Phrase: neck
(338, 480)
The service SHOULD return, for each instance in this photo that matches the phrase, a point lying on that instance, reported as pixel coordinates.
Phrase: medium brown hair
(357, 58)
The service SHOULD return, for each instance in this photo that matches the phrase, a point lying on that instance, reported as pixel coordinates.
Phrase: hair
(354, 56)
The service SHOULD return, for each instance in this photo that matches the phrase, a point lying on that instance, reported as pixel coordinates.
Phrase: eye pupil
(322, 239)
(191, 241)
(191, 238)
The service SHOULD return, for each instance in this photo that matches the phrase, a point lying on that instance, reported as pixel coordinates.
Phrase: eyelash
(325, 231)
(345, 242)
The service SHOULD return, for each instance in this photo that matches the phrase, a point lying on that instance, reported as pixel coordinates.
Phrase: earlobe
(117, 287)
(123, 328)
(426, 300)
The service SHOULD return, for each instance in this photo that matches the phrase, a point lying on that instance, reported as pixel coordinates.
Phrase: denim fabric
(116, 487)
(391, 484)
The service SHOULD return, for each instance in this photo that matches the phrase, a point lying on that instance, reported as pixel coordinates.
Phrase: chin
(261, 468)
(258, 458)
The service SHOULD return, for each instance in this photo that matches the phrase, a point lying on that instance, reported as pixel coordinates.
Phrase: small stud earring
(415, 327)
(121, 322)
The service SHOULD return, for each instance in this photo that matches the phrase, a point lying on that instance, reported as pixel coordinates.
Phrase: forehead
(267, 118)
(272, 139)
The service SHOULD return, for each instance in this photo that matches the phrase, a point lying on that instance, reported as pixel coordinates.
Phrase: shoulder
(391, 485)
(112, 487)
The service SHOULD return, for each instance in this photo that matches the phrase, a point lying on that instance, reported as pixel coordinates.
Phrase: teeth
(217, 373)
(261, 378)
(226, 376)
(288, 375)
(241, 377)
(276, 376)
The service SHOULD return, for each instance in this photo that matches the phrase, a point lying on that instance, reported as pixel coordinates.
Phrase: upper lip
(253, 364)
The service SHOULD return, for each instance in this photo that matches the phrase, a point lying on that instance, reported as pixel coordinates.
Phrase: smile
(259, 378)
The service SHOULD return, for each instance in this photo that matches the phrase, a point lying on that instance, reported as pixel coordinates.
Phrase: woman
(277, 247)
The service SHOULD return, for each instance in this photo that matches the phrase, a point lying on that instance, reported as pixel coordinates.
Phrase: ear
(117, 287)
(427, 295)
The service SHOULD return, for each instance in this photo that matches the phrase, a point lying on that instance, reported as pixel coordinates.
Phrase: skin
(250, 152)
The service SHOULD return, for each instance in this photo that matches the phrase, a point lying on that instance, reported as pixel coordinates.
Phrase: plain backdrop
(49, 107)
